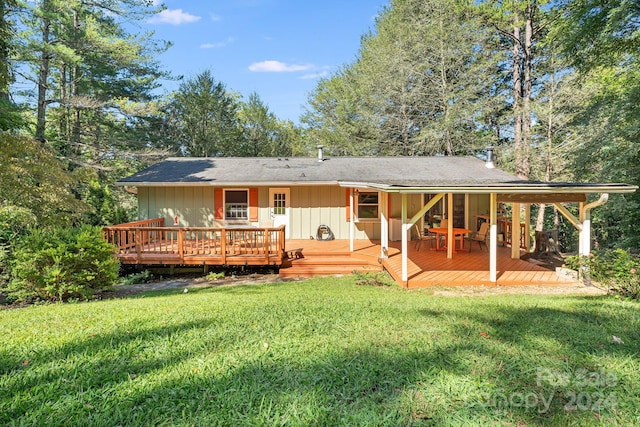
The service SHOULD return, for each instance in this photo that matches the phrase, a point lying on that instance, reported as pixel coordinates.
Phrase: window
(236, 205)
(367, 205)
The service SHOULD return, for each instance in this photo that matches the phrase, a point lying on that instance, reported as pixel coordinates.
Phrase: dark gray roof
(382, 172)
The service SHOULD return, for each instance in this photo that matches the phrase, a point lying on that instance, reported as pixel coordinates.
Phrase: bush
(15, 223)
(61, 263)
(141, 277)
(617, 269)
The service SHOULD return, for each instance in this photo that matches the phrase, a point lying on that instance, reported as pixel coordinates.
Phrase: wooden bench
(294, 253)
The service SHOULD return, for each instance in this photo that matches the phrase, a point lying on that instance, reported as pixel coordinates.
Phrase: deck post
(223, 245)
(493, 238)
(181, 237)
(137, 239)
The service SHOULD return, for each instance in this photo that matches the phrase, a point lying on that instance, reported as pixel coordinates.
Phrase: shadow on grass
(489, 355)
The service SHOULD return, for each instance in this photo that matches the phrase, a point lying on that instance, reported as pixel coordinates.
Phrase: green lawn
(321, 352)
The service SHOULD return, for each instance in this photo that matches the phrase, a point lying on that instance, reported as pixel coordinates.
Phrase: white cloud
(278, 67)
(215, 18)
(217, 45)
(173, 17)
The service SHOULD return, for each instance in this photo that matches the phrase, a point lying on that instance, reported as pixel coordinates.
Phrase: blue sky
(276, 48)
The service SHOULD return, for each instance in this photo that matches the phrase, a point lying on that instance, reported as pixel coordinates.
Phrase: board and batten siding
(192, 205)
(310, 207)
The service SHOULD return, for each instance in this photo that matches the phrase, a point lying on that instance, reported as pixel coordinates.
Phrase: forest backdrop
(554, 86)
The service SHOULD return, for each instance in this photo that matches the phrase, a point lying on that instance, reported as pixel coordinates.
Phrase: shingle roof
(383, 170)
(388, 173)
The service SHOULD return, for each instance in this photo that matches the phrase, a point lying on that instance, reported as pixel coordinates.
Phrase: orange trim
(348, 205)
(218, 208)
(253, 204)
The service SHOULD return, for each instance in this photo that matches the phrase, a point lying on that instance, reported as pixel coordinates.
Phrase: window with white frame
(236, 205)
(367, 207)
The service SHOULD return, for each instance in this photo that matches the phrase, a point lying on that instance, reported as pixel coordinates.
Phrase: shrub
(15, 223)
(62, 263)
(141, 277)
(617, 269)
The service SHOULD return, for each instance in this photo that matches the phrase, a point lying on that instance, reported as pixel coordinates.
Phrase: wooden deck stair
(319, 262)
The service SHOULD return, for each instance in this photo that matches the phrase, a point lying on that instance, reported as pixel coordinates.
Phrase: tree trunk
(4, 50)
(43, 74)
(525, 171)
(517, 99)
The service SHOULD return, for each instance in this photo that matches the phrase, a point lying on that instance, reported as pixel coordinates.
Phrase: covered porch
(426, 267)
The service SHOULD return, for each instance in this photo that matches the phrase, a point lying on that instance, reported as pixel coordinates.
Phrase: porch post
(493, 238)
(515, 231)
(527, 226)
(384, 226)
(352, 225)
(582, 251)
(450, 236)
(405, 244)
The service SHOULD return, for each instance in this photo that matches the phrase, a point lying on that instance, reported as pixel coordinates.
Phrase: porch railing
(143, 239)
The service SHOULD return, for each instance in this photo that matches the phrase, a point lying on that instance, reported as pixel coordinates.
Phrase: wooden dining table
(440, 231)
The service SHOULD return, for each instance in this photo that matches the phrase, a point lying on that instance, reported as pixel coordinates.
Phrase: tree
(202, 118)
(10, 117)
(83, 58)
(263, 133)
(31, 176)
(416, 88)
(600, 39)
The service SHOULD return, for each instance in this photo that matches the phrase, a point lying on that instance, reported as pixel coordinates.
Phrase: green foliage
(618, 270)
(62, 263)
(144, 276)
(202, 117)
(15, 222)
(105, 210)
(215, 275)
(32, 176)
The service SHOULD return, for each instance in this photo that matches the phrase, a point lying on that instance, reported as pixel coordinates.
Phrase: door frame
(287, 208)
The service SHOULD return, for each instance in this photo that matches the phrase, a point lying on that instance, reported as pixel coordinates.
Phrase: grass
(321, 352)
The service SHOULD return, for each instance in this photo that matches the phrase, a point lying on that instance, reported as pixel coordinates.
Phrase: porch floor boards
(426, 267)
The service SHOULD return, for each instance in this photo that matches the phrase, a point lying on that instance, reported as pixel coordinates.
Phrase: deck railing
(142, 241)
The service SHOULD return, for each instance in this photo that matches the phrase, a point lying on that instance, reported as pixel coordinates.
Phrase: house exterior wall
(310, 207)
(192, 205)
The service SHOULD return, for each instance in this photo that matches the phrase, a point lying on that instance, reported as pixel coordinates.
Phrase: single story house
(352, 198)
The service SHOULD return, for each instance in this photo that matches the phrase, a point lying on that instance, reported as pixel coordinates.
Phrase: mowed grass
(321, 352)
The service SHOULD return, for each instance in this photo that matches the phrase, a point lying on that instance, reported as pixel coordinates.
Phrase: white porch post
(515, 231)
(493, 238)
(584, 239)
(405, 244)
(450, 236)
(384, 226)
(352, 224)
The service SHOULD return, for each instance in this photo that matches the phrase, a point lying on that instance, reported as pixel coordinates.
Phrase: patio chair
(422, 237)
(480, 236)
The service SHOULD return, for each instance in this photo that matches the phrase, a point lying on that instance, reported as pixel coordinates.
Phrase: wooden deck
(426, 267)
(150, 243)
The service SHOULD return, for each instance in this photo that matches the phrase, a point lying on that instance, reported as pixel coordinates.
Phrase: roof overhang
(226, 184)
(505, 190)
